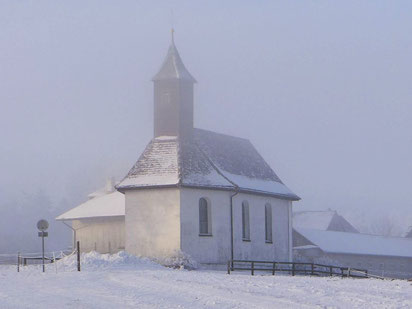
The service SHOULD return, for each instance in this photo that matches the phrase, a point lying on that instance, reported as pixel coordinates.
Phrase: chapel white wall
(216, 248)
(104, 235)
(206, 249)
(257, 248)
(152, 221)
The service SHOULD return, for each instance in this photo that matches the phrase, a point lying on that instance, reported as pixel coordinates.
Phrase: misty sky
(321, 88)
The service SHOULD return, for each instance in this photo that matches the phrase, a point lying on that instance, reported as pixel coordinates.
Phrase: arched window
(245, 221)
(268, 223)
(204, 217)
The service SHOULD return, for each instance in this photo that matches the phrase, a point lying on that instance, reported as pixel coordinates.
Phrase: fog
(322, 89)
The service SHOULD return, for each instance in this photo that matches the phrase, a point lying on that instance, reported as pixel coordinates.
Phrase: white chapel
(207, 194)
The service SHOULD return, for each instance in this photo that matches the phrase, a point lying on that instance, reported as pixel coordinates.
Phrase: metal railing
(295, 268)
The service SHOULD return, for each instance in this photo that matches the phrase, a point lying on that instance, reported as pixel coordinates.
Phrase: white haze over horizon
(322, 89)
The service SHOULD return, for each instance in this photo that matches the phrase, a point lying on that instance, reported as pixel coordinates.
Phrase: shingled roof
(207, 160)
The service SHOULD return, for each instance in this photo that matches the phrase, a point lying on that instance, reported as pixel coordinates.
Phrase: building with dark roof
(325, 220)
(207, 194)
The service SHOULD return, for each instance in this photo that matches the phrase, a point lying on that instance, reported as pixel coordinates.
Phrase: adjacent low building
(328, 238)
(99, 223)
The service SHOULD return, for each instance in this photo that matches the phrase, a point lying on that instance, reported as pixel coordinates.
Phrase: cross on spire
(173, 36)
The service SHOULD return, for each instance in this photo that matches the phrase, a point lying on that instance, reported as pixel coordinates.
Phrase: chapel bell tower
(173, 97)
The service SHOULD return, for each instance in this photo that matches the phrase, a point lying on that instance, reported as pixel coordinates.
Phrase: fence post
(78, 255)
(341, 272)
(228, 267)
(253, 268)
(274, 268)
(330, 271)
(366, 273)
(293, 269)
(312, 269)
(54, 261)
(348, 272)
(18, 262)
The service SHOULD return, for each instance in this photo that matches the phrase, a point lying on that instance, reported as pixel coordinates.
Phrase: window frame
(208, 217)
(268, 223)
(245, 221)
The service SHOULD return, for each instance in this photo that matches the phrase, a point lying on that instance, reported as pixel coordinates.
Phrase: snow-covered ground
(123, 281)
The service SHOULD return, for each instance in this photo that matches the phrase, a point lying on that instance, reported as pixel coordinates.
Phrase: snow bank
(179, 260)
(95, 261)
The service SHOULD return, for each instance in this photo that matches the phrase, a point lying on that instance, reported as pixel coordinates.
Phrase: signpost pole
(42, 226)
(42, 244)
(78, 255)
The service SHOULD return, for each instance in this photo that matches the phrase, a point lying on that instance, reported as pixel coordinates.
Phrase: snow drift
(92, 261)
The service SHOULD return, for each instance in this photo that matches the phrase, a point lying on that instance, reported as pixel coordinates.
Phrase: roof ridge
(303, 211)
(362, 234)
(223, 134)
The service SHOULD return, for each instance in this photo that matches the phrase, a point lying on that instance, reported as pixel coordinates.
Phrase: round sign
(42, 225)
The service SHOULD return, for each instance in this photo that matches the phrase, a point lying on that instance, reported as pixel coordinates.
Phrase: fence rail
(295, 268)
(23, 259)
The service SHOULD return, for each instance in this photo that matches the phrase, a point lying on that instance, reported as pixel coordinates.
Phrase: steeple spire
(173, 96)
(173, 67)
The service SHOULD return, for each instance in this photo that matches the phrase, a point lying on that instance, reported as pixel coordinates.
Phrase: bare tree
(384, 226)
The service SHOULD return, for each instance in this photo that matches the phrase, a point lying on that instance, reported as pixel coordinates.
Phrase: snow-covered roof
(157, 165)
(110, 183)
(207, 159)
(356, 243)
(108, 205)
(319, 220)
(325, 220)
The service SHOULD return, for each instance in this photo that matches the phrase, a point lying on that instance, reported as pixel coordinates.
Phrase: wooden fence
(295, 268)
(22, 260)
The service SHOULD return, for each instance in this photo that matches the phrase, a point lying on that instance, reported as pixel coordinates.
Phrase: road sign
(43, 234)
(42, 225)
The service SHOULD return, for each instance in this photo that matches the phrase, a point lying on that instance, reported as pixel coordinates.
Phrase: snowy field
(122, 281)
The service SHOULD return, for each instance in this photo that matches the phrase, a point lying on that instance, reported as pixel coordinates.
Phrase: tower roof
(173, 67)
